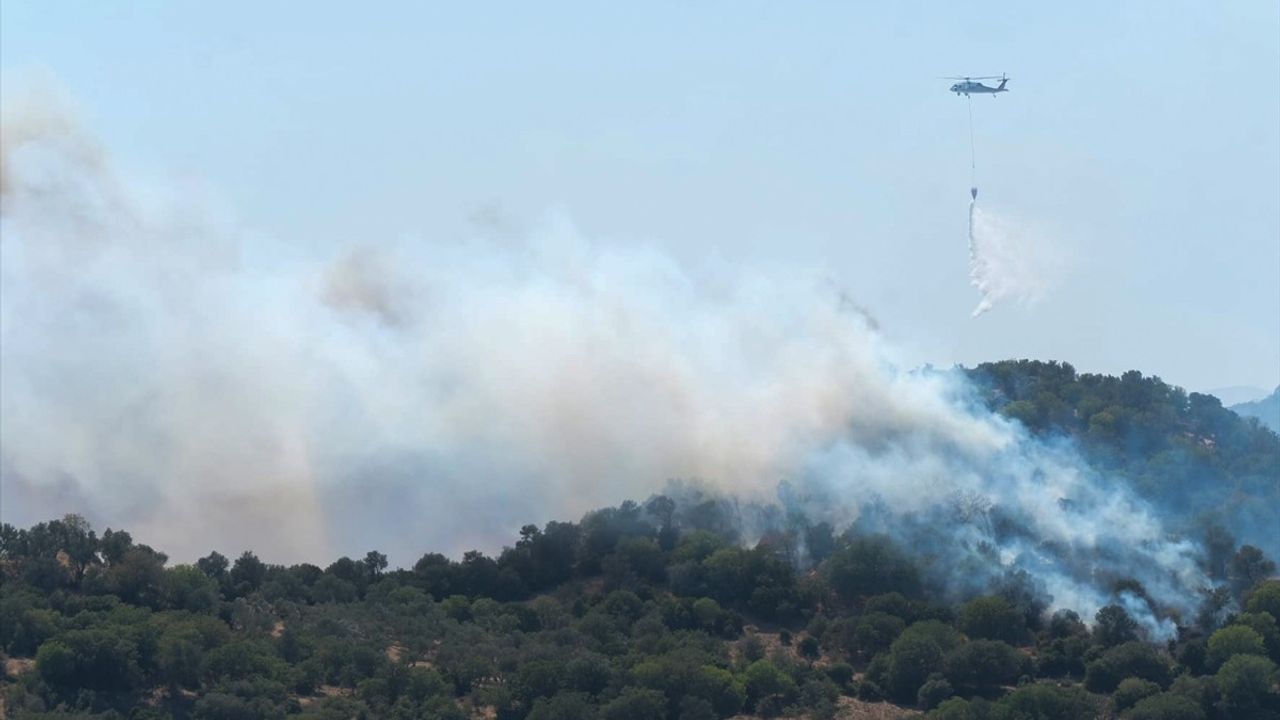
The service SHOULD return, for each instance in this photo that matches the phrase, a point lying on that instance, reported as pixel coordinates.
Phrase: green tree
(1263, 624)
(725, 693)
(636, 704)
(224, 706)
(185, 587)
(539, 678)
(247, 574)
(1164, 706)
(1203, 691)
(375, 563)
(1247, 569)
(1246, 685)
(891, 603)
(1063, 656)
(77, 542)
(1265, 598)
(244, 659)
(1113, 626)
(24, 625)
(872, 633)
(707, 612)
(726, 574)
(954, 709)
(114, 544)
(1131, 691)
(624, 604)
(841, 674)
(763, 678)
(333, 589)
(564, 706)
(933, 692)
(915, 655)
(96, 659)
(139, 577)
(1132, 659)
(809, 647)
(697, 546)
(1045, 702)
(214, 565)
(58, 663)
(1231, 641)
(180, 659)
(871, 566)
(643, 557)
(696, 708)
(588, 672)
(991, 618)
(984, 664)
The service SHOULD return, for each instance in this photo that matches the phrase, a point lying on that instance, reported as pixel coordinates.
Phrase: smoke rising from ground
(1006, 262)
(437, 394)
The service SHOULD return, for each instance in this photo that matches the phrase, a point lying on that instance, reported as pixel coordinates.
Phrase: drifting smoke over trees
(1205, 468)
(688, 605)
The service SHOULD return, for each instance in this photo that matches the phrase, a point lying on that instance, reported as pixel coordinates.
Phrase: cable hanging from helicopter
(973, 156)
(968, 86)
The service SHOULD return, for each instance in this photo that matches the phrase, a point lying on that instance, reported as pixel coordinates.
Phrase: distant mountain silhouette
(1266, 410)
(1236, 394)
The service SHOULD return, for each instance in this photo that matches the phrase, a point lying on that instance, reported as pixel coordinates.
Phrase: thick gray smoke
(163, 374)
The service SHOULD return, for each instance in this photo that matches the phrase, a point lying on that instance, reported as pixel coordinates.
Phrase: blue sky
(1140, 140)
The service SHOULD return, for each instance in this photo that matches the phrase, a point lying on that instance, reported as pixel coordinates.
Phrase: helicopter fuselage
(977, 88)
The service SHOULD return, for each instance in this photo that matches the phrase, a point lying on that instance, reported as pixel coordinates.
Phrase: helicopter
(977, 88)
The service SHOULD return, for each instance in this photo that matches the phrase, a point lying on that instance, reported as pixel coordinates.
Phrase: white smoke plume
(437, 394)
(1007, 262)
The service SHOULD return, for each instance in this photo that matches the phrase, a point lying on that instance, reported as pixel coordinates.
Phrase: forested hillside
(1199, 462)
(668, 609)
